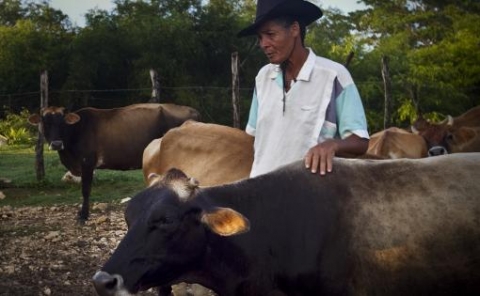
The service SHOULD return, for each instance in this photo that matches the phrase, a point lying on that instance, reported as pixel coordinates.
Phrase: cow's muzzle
(437, 150)
(109, 285)
(56, 145)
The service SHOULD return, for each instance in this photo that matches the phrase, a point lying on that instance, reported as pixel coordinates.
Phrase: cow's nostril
(437, 150)
(111, 284)
(106, 284)
(56, 145)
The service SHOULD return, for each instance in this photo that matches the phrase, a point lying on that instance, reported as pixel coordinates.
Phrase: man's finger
(323, 164)
(308, 159)
(330, 162)
(314, 163)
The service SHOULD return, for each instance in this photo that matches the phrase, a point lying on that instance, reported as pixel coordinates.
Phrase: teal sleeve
(350, 113)
(252, 117)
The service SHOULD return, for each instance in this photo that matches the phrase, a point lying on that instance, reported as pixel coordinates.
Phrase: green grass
(17, 163)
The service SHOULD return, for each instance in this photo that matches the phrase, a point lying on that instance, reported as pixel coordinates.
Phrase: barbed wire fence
(214, 103)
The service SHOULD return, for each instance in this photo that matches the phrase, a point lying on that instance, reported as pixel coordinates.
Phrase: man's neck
(295, 62)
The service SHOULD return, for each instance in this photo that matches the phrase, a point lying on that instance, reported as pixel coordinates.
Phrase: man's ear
(295, 29)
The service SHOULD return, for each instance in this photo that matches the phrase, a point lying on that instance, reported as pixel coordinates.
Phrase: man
(303, 106)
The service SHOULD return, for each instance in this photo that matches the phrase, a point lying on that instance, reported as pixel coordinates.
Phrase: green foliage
(10, 12)
(407, 111)
(431, 45)
(18, 136)
(16, 129)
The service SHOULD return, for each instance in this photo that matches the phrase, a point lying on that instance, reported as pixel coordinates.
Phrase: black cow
(106, 138)
(390, 227)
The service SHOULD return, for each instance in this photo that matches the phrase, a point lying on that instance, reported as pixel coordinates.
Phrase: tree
(33, 38)
(10, 12)
(422, 40)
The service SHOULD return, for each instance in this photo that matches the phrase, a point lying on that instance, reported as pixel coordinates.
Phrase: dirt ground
(43, 251)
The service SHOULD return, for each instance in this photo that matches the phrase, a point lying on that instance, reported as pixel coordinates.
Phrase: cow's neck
(70, 161)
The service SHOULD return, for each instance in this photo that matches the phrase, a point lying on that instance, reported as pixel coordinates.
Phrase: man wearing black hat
(304, 106)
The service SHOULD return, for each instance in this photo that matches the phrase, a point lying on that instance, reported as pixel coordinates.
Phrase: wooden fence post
(387, 83)
(155, 87)
(39, 162)
(235, 91)
(349, 59)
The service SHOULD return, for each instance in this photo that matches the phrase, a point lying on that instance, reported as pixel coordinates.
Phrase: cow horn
(193, 182)
(449, 120)
(153, 178)
(414, 129)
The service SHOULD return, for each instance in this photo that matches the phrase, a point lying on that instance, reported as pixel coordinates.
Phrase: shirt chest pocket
(308, 107)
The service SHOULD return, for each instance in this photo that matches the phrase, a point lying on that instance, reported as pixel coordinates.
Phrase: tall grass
(17, 164)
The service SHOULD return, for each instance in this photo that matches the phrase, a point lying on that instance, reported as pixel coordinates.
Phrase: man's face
(276, 41)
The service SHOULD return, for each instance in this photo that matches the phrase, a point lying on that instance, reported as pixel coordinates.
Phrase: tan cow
(215, 154)
(453, 135)
(396, 143)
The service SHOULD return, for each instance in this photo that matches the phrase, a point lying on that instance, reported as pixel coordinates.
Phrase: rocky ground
(44, 252)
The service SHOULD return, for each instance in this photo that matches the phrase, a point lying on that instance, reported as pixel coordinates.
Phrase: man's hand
(320, 157)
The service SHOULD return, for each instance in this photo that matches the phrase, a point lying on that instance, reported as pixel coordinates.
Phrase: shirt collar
(305, 71)
(307, 67)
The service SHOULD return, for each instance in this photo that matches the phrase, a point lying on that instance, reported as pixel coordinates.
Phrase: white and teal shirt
(323, 103)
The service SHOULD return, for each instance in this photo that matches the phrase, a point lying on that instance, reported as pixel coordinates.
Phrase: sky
(76, 9)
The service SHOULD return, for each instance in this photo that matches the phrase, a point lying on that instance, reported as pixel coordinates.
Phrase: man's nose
(262, 43)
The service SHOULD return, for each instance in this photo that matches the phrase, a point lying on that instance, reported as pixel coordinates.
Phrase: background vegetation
(432, 47)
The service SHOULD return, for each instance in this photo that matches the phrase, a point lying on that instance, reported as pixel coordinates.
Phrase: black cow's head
(52, 121)
(168, 228)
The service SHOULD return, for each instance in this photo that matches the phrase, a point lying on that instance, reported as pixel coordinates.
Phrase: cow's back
(415, 226)
(368, 228)
(397, 143)
(470, 118)
(119, 136)
(213, 154)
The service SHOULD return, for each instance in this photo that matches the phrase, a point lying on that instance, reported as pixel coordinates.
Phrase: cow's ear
(72, 118)
(35, 119)
(153, 178)
(419, 125)
(464, 135)
(225, 221)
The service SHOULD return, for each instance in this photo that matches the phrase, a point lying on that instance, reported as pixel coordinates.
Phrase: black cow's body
(106, 138)
(391, 227)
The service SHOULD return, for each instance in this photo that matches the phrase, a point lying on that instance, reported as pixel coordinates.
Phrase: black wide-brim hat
(303, 11)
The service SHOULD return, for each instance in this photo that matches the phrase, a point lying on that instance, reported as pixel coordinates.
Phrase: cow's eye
(161, 221)
(165, 220)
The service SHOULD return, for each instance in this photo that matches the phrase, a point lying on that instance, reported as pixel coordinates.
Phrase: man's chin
(274, 61)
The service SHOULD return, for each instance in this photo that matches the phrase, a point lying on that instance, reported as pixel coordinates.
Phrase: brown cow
(397, 143)
(106, 138)
(214, 153)
(453, 135)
